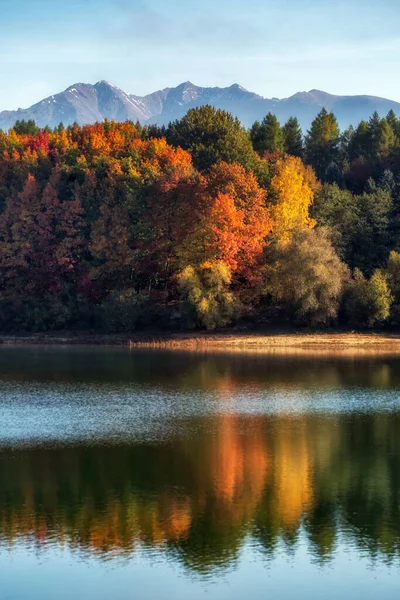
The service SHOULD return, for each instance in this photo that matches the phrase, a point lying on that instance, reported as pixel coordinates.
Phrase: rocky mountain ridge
(87, 103)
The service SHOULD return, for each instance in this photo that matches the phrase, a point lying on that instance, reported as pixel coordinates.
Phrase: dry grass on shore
(297, 343)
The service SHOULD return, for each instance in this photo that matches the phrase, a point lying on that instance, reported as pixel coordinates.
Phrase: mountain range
(86, 103)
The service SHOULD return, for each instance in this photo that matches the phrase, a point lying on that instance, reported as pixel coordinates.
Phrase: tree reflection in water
(201, 494)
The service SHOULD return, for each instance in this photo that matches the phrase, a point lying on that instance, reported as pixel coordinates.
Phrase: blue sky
(272, 47)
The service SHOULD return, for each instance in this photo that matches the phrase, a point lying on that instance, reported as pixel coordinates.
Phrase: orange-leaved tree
(248, 214)
(221, 256)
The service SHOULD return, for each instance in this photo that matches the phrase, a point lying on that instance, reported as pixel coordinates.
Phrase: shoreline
(229, 341)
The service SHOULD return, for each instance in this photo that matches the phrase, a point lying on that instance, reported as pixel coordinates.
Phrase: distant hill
(86, 103)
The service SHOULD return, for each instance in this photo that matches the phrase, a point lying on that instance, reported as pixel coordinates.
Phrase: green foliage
(371, 242)
(267, 136)
(359, 224)
(152, 131)
(207, 291)
(335, 208)
(32, 314)
(358, 143)
(306, 276)
(26, 127)
(212, 136)
(322, 142)
(386, 183)
(381, 136)
(393, 278)
(334, 174)
(370, 149)
(367, 301)
(122, 311)
(293, 138)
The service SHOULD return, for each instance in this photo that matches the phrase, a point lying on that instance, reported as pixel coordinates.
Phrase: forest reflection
(201, 496)
(195, 370)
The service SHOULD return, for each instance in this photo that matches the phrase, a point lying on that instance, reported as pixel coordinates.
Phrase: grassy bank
(229, 341)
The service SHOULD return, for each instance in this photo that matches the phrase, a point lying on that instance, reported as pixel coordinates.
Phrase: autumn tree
(142, 216)
(219, 217)
(172, 215)
(40, 239)
(40, 247)
(206, 289)
(249, 201)
(307, 277)
(294, 186)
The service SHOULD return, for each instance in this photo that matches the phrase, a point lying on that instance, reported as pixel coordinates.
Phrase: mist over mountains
(86, 103)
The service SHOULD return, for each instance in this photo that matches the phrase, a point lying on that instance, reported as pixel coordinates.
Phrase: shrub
(306, 277)
(207, 292)
(122, 311)
(35, 314)
(368, 301)
(393, 278)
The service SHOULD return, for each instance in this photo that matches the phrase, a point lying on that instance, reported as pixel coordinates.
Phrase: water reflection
(200, 497)
(99, 366)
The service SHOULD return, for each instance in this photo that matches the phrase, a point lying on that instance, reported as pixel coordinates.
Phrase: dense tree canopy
(268, 135)
(211, 136)
(359, 224)
(118, 226)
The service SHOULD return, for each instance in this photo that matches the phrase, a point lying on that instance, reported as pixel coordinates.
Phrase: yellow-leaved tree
(293, 185)
(207, 291)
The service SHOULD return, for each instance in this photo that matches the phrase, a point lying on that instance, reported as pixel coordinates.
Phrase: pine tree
(255, 134)
(385, 140)
(26, 127)
(359, 144)
(394, 122)
(381, 136)
(322, 142)
(267, 136)
(293, 138)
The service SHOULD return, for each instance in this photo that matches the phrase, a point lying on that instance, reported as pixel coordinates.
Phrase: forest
(117, 227)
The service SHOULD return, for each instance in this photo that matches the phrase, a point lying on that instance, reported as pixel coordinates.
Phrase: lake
(149, 474)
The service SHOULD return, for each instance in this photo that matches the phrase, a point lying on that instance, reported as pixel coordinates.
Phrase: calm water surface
(145, 475)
